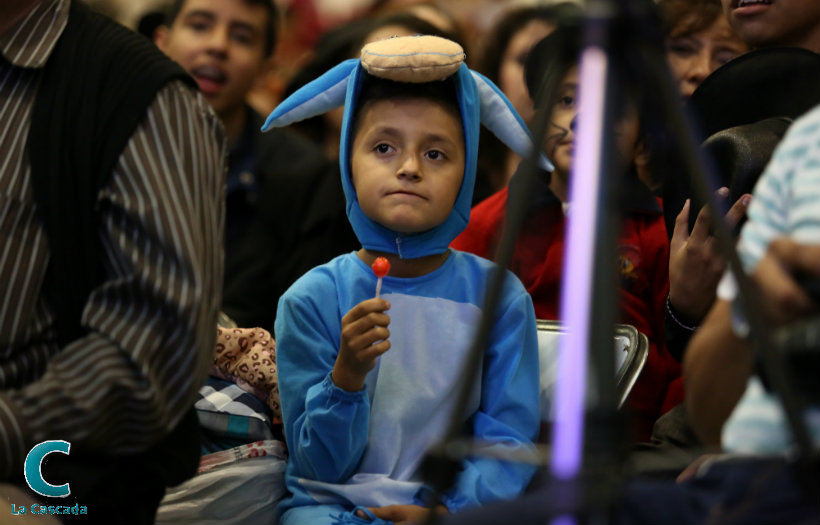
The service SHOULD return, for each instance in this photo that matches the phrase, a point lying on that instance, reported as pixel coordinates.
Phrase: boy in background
(276, 221)
(368, 384)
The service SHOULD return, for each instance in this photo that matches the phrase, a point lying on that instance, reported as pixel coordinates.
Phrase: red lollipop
(380, 267)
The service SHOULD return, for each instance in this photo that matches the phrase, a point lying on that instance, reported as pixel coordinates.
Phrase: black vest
(96, 88)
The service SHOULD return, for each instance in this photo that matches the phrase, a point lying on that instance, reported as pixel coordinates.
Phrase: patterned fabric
(257, 449)
(240, 485)
(786, 202)
(249, 355)
(151, 323)
(230, 416)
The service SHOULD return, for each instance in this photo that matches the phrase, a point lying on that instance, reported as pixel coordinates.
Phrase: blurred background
(304, 22)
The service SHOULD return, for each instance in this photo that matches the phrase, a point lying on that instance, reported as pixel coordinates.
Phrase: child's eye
(382, 148)
(243, 37)
(435, 155)
(566, 101)
(198, 24)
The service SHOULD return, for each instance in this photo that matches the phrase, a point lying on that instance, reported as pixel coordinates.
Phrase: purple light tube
(576, 291)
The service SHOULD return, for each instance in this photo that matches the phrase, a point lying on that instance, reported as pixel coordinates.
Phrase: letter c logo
(33, 469)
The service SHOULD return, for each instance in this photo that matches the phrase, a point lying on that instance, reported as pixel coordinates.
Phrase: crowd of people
(146, 194)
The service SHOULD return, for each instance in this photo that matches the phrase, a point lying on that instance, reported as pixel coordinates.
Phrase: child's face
(221, 43)
(560, 133)
(560, 137)
(407, 161)
(693, 56)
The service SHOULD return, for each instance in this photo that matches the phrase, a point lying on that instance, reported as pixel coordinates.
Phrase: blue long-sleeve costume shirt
(364, 448)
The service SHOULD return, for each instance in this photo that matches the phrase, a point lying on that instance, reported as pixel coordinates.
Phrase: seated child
(368, 384)
(538, 256)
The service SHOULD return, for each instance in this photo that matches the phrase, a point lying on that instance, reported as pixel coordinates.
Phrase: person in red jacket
(643, 246)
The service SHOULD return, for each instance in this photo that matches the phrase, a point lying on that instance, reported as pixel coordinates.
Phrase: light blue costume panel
(364, 448)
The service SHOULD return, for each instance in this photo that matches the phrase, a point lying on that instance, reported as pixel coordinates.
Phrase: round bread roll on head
(416, 59)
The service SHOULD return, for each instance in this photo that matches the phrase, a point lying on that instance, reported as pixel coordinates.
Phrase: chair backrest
(631, 349)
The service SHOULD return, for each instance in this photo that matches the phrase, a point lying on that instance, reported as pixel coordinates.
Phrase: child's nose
(409, 167)
(573, 123)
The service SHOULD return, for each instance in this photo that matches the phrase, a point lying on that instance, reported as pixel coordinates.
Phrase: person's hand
(364, 339)
(401, 514)
(695, 265)
(783, 299)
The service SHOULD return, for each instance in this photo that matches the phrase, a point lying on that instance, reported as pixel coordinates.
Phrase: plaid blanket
(230, 416)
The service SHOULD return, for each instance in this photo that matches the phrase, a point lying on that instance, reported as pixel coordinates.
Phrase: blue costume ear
(314, 98)
(500, 117)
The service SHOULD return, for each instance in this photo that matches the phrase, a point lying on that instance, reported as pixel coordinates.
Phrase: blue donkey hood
(374, 236)
(479, 100)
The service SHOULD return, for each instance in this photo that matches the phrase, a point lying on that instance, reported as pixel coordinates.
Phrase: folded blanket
(248, 357)
(230, 416)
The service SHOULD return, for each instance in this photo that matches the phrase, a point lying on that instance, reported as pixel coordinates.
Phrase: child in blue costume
(368, 384)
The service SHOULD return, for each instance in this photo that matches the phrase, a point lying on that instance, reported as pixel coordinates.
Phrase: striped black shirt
(152, 322)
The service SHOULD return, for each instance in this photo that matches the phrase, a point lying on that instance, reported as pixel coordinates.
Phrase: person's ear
(161, 37)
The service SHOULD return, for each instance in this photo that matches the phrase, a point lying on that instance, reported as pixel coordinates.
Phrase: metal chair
(631, 349)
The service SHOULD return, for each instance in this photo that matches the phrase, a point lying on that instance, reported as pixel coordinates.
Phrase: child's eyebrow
(395, 132)
(385, 130)
(434, 137)
(210, 16)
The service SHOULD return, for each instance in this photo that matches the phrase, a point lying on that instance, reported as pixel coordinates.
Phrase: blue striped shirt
(785, 203)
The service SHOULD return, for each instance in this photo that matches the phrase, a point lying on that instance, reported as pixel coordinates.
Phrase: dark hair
(686, 17)
(375, 89)
(149, 22)
(499, 36)
(270, 27)
(554, 55)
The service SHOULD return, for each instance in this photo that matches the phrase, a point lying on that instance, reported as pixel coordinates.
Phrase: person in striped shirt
(780, 241)
(112, 175)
